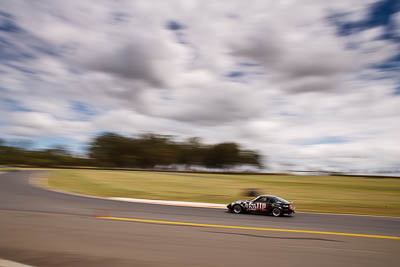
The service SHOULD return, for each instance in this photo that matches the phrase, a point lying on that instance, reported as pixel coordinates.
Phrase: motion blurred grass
(8, 169)
(357, 195)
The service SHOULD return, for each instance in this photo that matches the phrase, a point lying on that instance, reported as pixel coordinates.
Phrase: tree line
(143, 151)
(58, 156)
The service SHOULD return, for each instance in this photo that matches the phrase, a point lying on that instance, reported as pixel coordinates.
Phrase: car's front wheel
(237, 209)
(276, 212)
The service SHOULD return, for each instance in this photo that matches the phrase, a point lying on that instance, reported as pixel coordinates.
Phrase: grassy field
(8, 169)
(357, 195)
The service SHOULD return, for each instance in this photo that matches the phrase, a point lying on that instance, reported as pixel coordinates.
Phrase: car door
(261, 204)
(271, 204)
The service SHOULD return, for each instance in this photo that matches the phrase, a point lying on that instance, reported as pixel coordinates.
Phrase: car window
(273, 200)
(262, 199)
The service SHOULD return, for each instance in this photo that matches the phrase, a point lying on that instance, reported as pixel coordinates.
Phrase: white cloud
(298, 85)
(36, 124)
(396, 23)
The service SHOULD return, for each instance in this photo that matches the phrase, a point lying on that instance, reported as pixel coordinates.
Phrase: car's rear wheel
(237, 209)
(276, 212)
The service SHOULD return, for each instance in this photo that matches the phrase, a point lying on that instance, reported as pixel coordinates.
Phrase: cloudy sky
(311, 84)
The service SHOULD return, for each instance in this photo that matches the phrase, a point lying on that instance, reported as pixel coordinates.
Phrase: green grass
(357, 195)
(8, 169)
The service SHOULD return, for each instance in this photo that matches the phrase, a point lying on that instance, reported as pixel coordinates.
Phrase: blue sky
(379, 14)
(312, 84)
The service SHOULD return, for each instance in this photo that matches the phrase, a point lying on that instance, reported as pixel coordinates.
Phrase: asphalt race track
(44, 228)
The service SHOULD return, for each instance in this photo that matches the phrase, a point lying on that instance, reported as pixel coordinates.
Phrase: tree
(149, 150)
(222, 155)
(109, 149)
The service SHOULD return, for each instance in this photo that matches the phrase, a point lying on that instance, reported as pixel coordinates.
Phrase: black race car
(265, 204)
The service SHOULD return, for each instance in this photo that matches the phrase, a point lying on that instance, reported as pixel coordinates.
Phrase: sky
(309, 84)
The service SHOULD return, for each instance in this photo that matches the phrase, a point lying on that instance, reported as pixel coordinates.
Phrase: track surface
(44, 228)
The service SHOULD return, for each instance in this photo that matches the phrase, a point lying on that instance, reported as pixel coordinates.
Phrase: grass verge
(335, 194)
